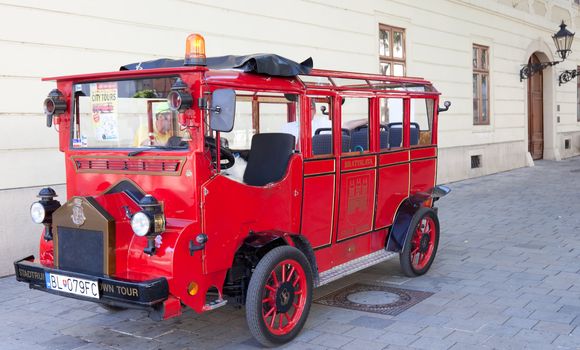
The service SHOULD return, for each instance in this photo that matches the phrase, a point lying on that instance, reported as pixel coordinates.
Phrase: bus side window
(421, 122)
(240, 138)
(321, 125)
(355, 124)
(391, 128)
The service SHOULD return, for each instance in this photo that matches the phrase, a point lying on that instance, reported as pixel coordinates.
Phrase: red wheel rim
(284, 297)
(423, 243)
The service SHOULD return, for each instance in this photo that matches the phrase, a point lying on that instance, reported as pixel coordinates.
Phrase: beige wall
(48, 38)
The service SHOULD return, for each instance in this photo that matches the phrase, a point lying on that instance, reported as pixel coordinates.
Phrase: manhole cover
(371, 298)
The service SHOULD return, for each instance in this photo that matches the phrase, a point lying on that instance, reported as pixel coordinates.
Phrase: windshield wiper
(141, 150)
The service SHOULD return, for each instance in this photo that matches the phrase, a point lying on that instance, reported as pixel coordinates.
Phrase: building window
(392, 50)
(578, 96)
(480, 85)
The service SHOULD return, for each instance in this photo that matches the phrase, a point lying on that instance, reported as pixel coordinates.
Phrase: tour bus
(247, 180)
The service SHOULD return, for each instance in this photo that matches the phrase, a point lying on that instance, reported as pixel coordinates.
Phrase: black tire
(405, 255)
(255, 295)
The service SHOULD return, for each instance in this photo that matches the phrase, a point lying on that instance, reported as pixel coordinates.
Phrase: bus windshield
(123, 114)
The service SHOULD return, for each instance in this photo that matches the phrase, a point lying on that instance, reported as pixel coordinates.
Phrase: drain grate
(371, 298)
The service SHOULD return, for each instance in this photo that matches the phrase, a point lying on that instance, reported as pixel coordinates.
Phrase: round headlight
(37, 213)
(174, 100)
(140, 223)
(49, 106)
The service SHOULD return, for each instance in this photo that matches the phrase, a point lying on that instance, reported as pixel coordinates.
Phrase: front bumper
(146, 295)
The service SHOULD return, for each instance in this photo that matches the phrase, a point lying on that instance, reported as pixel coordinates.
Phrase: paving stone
(333, 327)
(468, 337)
(359, 344)
(432, 343)
(392, 338)
(552, 316)
(405, 328)
(534, 336)
(499, 330)
(554, 327)
(517, 312)
(371, 322)
(567, 341)
(435, 332)
(521, 322)
(470, 325)
(331, 340)
(64, 342)
(364, 333)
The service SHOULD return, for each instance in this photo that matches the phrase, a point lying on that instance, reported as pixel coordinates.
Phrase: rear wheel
(279, 296)
(421, 245)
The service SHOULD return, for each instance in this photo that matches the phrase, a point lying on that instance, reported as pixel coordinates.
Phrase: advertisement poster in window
(104, 108)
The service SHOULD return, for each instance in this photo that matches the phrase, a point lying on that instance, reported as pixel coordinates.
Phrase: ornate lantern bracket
(566, 76)
(530, 69)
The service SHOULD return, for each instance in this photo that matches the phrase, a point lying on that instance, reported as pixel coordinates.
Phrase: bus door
(394, 168)
(357, 180)
(316, 134)
(423, 148)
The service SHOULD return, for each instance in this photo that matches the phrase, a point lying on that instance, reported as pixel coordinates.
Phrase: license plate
(72, 285)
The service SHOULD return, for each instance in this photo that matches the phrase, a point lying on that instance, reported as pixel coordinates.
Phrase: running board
(214, 304)
(354, 266)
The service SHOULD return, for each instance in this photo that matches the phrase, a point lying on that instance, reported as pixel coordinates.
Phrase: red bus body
(336, 209)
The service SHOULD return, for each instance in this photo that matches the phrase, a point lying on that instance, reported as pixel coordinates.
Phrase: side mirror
(445, 107)
(222, 110)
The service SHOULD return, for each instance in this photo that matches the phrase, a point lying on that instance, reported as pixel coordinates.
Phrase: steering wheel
(225, 153)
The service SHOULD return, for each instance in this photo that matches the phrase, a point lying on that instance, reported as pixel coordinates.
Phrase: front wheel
(421, 244)
(279, 296)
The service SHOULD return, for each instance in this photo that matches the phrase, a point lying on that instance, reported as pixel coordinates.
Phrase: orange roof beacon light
(194, 50)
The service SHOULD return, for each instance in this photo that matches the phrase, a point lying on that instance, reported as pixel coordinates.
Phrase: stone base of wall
(455, 162)
(574, 139)
(19, 236)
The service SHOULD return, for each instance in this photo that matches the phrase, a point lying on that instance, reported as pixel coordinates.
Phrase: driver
(162, 130)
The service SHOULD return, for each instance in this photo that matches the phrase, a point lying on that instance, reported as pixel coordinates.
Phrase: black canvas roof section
(268, 64)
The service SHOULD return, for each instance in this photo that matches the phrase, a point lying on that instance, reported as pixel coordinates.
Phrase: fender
(263, 241)
(259, 240)
(400, 229)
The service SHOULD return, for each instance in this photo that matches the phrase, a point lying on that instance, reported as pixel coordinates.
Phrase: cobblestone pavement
(506, 276)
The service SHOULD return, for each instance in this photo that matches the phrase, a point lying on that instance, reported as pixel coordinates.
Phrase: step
(214, 304)
(354, 266)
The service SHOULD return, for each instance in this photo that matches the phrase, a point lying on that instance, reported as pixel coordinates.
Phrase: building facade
(473, 51)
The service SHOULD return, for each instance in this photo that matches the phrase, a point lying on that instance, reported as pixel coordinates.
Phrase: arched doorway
(536, 112)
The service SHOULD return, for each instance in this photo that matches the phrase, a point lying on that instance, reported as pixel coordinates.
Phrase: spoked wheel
(279, 296)
(421, 245)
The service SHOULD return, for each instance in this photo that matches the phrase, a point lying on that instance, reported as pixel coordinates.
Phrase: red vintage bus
(241, 179)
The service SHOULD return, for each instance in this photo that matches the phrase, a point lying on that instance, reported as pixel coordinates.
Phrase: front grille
(129, 165)
(80, 250)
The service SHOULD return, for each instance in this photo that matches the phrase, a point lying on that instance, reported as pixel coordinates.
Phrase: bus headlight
(151, 220)
(41, 211)
(179, 99)
(141, 224)
(37, 213)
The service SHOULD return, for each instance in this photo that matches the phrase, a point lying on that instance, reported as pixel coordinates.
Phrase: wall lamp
(563, 41)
